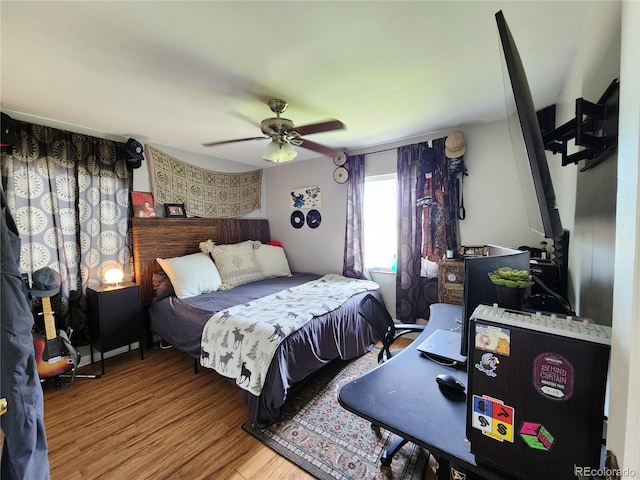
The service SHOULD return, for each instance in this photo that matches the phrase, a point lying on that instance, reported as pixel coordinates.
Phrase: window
(379, 222)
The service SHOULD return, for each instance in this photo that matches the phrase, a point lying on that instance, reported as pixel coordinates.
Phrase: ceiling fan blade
(211, 144)
(244, 118)
(319, 127)
(316, 147)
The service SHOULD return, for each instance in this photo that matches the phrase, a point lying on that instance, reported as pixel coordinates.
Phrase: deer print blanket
(240, 342)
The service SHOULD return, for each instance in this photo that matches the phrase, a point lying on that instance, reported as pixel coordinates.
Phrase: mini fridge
(536, 393)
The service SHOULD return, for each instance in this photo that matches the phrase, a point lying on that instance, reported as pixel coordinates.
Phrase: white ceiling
(183, 73)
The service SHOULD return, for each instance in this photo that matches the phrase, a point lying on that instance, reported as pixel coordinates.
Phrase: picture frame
(144, 205)
(174, 210)
(473, 250)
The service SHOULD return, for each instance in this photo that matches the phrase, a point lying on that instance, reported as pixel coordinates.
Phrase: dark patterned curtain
(427, 224)
(410, 287)
(69, 194)
(353, 265)
(440, 207)
(447, 222)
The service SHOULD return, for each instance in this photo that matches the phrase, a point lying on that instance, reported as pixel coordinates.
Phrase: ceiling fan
(284, 135)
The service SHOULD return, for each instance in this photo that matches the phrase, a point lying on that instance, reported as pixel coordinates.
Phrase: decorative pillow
(236, 263)
(162, 285)
(273, 261)
(191, 275)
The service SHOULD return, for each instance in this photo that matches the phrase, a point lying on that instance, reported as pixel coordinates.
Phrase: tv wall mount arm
(595, 127)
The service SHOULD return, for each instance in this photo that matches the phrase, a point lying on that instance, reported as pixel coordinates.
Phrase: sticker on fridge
(553, 376)
(493, 339)
(493, 418)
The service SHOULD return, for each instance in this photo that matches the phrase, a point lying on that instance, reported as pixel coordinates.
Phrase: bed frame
(173, 237)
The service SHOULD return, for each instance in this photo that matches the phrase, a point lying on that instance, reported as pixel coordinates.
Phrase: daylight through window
(380, 225)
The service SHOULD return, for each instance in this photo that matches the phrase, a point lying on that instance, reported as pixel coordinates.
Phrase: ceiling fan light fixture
(285, 135)
(279, 152)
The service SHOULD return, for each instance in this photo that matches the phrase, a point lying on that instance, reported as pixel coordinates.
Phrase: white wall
(624, 417)
(387, 283)
(495, 209)
(316, 250)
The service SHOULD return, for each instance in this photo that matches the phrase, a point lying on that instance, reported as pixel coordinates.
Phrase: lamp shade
(113, 275)
(279, 152)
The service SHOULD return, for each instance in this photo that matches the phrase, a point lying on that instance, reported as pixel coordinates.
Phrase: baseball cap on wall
(9, 133)
(45, 282)
(134, 153)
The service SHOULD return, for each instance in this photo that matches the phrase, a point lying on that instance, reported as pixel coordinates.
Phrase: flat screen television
(478, 288)
(526, 137)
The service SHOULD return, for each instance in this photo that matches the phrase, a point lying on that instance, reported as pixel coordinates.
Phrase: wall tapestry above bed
(204, 193)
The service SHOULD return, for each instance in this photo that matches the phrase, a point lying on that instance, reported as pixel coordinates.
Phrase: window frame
(368, 180)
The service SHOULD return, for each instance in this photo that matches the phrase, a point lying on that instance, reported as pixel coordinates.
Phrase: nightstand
(115, 318)
(451, 282)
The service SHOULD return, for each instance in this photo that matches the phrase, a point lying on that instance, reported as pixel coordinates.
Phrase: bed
(337, 333)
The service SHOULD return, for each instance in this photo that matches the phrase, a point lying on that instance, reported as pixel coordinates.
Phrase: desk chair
(387, 331)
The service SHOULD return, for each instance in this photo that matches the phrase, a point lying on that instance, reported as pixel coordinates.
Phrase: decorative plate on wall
(297, 219)
(314, 218)
(340, 175)
(340, 159)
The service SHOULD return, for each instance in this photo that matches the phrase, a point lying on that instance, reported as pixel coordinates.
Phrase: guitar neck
(49, 321)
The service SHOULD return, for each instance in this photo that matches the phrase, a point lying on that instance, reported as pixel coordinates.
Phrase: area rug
(320, 436)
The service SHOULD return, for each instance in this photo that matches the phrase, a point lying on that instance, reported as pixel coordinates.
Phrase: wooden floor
(155, 419)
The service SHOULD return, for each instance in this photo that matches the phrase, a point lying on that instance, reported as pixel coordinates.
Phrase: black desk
(402, 396)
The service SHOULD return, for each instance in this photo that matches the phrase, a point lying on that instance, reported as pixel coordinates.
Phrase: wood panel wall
(174, 237)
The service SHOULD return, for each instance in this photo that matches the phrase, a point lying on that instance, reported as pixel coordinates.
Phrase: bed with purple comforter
(337, 334)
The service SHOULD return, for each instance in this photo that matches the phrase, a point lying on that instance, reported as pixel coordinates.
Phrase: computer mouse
(448, 381)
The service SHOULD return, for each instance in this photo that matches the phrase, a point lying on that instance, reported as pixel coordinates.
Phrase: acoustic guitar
(51, 360)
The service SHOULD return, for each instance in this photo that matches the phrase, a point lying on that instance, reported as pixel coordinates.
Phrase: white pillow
(273, 261)
(191, 275)
(236, 263)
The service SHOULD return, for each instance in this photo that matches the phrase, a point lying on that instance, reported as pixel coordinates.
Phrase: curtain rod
(381, 151)
(428, 142)
(392, 148)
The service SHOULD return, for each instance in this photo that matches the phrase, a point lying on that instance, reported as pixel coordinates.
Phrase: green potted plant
(511, 286)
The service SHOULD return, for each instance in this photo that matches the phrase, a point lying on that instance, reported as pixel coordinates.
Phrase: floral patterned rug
(320, 436)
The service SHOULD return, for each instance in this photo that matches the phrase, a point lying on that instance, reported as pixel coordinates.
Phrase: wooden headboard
(173, 237)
